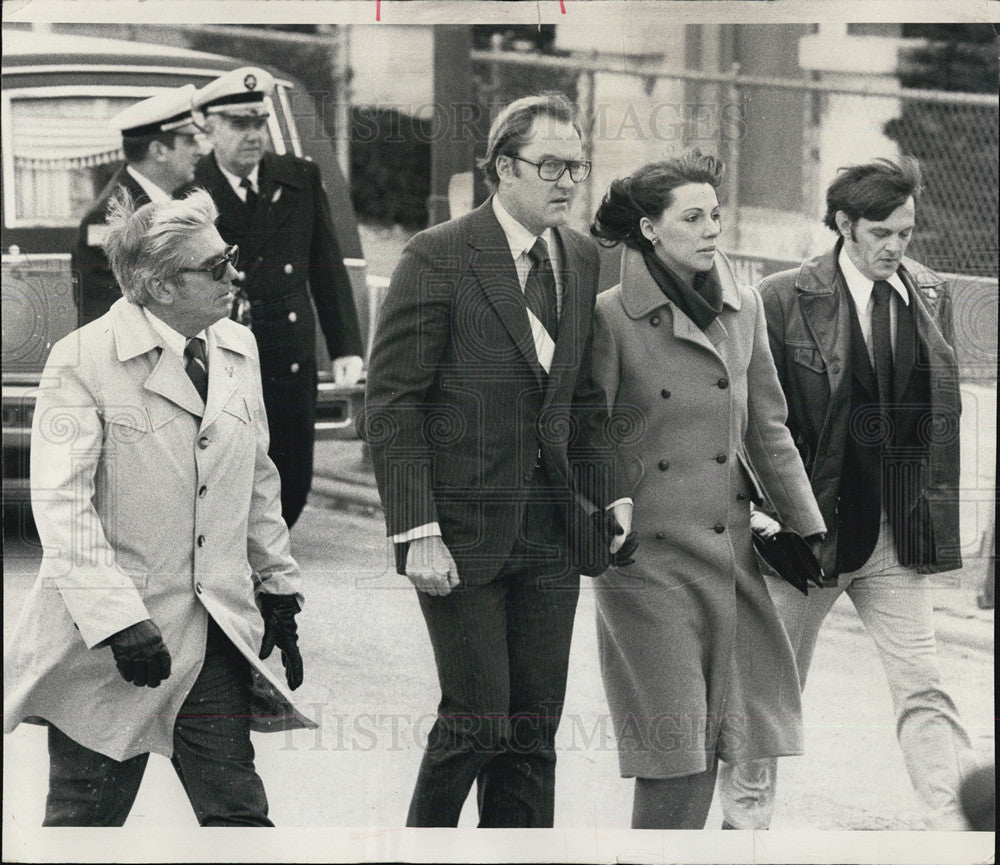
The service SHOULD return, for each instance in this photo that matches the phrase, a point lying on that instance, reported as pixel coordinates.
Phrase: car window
(59, 153)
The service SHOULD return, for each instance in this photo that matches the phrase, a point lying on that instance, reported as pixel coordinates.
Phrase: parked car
(59, 91)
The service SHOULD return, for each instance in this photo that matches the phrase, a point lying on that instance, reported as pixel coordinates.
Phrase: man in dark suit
(160, 154)
(862, 339)
(485, 426)
(275, 209)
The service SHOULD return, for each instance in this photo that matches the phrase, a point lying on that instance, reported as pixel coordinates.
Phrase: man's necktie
(882, 340)
(196, 365)
(251, 199)
(540, 288)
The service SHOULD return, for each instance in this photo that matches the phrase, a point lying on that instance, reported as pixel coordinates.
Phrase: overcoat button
(201, 540)
(835, 369)
(719, 528)
(655, 321)
(664, 465)
(293, 316)
(723, 383)
(740, 497)
(720, 459)
(202, 491)
(288, 268)
(258, 259)
(665, 393)
(660, 536)
(203, 442)
(294, 367)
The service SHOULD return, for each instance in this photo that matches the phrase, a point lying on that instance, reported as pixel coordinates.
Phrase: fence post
(732, 97)
(588, 117)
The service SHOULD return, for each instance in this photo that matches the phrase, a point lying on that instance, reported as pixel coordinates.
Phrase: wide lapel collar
(133, 337)
(927, 330)
(824, 301)
(494, 268)
(224, 373)
(573, 314)
(233, 223)
(276, 181)
(641, 296)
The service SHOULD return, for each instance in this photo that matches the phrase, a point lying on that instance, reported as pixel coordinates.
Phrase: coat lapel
(277, 186)
(823, 301)
(224, 374)
(494, 269)
(572, 318)
(135, 337)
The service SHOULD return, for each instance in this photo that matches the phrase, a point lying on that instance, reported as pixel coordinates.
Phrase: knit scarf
(701, 304)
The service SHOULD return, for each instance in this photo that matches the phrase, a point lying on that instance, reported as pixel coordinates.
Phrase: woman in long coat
(695, 662)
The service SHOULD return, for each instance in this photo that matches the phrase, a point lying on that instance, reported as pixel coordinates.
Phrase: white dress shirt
(155, 193)
(861, 289)
(236, 180)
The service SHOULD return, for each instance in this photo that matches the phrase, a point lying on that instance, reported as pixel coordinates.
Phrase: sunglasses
(217, 268)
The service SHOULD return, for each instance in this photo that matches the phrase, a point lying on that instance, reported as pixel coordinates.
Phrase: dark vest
(885, 457)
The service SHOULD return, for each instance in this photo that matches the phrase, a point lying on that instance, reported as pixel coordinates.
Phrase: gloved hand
(610, 527)
(280, 630)
(140, 654)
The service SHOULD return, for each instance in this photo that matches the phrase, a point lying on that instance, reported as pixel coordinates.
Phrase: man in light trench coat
(166, 564)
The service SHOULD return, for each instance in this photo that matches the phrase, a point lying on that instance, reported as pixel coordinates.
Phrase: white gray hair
(145, 243)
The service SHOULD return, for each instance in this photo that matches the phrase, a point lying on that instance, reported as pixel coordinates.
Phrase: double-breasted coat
(288, 253)
(94, 285)
(693, 656)
(150, 505)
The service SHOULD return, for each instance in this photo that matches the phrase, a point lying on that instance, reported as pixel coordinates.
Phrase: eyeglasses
(553, 169)
(217, 268)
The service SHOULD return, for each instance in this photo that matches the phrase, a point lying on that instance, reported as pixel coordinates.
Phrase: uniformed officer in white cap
(158, 139)
(274, 207)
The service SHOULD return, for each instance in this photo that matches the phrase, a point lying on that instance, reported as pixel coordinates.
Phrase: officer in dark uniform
(158, 139)
(275, 208)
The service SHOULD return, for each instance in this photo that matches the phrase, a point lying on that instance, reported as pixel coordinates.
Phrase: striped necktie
(196, 365)
(540, 288)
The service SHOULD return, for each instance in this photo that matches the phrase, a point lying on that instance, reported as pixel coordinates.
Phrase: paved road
(370, 676)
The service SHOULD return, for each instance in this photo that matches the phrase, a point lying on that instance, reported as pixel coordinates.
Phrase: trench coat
(291, 263)
(149, 505)
(694, 659)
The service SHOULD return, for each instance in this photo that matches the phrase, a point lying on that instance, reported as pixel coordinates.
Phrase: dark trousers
(502, 653)
(290, 402)
(213, 757)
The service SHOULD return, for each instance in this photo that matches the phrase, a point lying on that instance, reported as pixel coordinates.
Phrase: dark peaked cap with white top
(169, 111)
(241, 92)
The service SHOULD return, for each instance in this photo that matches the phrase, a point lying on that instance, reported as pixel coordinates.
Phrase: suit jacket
(287, 251)
(808, 316)
(148, 504)
(458, 411)
(94, 286)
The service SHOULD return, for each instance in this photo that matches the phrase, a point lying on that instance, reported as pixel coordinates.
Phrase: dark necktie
(882, 340)
(251, 199)
(196, 365)
(540, 288)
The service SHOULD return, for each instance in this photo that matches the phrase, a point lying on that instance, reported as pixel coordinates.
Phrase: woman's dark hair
(649, 191)
(872, 190)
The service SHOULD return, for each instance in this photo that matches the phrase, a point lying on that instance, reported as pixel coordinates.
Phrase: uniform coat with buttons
(288, 251)
(94, 286)
(694, 659)
(149, 504)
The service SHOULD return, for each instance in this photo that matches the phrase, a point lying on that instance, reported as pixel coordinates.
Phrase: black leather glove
(280, 630)
(611, 529)
(141, 654)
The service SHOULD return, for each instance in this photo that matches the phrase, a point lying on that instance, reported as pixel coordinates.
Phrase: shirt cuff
(624, 501)
(427, 530)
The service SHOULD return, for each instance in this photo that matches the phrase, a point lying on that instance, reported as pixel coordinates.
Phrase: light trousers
(894, 604)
